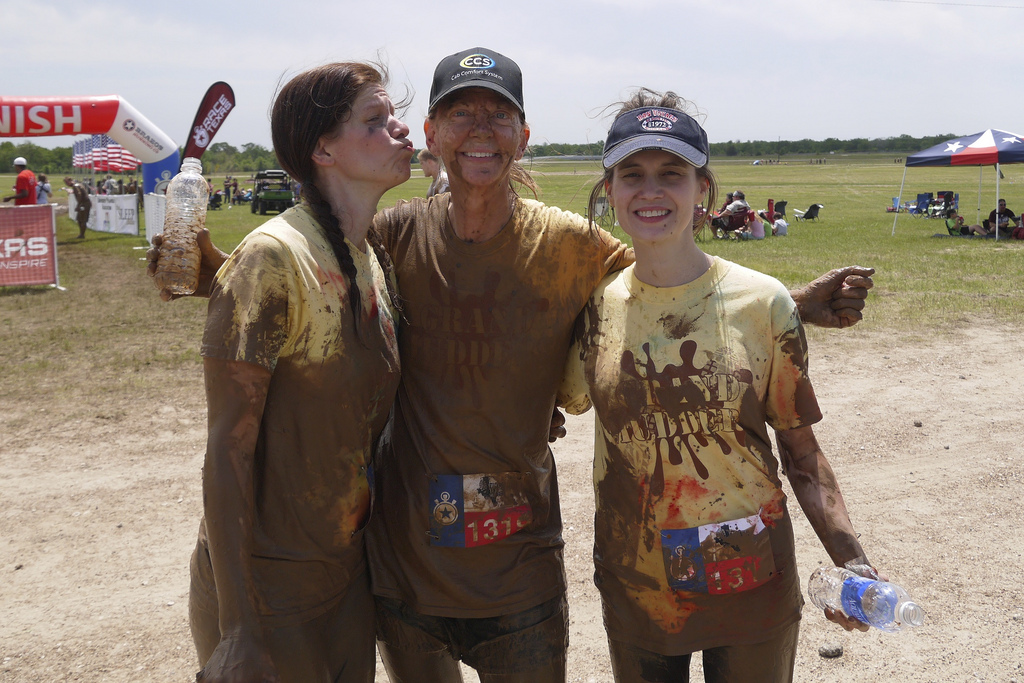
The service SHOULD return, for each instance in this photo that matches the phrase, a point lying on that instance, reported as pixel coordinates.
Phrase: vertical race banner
(28, 246)
(215, 107)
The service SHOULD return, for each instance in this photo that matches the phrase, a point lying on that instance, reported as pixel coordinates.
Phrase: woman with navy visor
(687, 359)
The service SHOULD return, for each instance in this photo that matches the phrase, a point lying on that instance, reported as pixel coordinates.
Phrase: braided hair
(311, 105)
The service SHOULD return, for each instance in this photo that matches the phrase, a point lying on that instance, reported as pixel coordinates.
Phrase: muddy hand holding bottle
(881, 604)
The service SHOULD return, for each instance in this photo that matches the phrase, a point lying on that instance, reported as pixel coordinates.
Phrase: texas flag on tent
(981, 149)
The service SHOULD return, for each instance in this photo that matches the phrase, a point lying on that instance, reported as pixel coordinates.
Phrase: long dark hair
(645, 97)
(309, 106)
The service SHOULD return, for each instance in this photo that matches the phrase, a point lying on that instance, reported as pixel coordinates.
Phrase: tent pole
(997, 201)
(899, 201)
(977, 219)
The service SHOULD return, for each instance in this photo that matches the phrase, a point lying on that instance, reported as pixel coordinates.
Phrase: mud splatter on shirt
(685, 381)
(488, 327)
(281, 302)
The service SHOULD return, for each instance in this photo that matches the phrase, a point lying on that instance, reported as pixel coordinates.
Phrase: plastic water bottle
(881, 604)
(177, 269)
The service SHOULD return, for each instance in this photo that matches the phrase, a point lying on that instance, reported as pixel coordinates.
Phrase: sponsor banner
(116, 213)
(28, 246)
(215, 107)
(154, 208)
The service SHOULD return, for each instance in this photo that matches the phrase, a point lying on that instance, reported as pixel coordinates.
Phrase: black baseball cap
(478, 67)
(670, 130)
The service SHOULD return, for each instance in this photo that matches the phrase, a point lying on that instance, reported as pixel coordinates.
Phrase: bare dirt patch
(102, 430)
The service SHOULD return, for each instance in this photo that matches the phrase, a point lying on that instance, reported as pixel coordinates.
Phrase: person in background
(24, 184)
(720, 221)
(753, 228)
(1002, 218)
(779, 226)
(82, 204)
(43, 190)
(731, 221)
(687, 359)
(955, 224)
(431, 166)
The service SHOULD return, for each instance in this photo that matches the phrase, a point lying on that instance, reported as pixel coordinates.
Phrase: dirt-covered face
(478, 134)
(372, 146)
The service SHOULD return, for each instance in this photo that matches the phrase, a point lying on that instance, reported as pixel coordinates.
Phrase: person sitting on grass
(1002, 218)
(955, 224)
(780, 227)
(753, 228)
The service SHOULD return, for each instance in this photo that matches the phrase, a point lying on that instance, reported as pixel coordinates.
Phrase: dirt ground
(100, 501)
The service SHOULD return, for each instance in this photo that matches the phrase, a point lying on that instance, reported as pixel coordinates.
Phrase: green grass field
(923, 285)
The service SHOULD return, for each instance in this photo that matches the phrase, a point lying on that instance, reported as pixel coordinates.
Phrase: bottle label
(725, 557)
(853, 593)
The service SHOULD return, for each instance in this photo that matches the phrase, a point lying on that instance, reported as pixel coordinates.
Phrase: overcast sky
(758, 69)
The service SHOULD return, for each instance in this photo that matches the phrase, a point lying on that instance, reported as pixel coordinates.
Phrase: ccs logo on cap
(477, 61)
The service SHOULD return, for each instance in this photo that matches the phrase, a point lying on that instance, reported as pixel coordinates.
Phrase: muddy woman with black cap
(687, 359)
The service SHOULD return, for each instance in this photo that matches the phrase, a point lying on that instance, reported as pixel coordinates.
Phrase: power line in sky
(951, 4)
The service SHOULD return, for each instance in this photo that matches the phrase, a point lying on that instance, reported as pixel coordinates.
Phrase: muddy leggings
(332, 648)
(526, 647)
(769, 662)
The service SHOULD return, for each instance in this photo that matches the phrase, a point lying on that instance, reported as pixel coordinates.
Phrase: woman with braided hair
(301, 366)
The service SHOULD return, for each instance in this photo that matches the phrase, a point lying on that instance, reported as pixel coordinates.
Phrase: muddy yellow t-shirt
(281, 302)
(693, 543)
(471, 525)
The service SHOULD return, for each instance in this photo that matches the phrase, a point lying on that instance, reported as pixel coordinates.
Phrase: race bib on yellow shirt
(726, 557)
(469, 510)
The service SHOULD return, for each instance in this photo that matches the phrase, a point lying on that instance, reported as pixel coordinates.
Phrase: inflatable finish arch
(108, 114)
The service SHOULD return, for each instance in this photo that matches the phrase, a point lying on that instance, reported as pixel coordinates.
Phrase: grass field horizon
(923, 285)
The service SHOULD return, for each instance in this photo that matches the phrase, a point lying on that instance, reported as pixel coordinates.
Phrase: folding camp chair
(939, 207)
(780, 207)
(811, 214)
(921, 208)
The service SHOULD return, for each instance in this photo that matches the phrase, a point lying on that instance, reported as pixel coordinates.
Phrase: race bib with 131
(726, 557)
(468, 510)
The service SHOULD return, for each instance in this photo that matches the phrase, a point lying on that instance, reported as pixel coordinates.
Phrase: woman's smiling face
(654, 193)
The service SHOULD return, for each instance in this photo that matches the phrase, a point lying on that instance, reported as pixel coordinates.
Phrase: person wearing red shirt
(24, 185)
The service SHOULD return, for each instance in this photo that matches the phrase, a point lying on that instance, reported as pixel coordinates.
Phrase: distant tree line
(904, 144)
(223, 158)
(219, 158)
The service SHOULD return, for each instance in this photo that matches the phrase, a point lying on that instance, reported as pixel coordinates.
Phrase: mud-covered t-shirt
(281, 302)
(471, 525)
(693, 544)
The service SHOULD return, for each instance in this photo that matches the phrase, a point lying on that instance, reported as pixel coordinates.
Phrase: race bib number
(469, 510)
(727, 557)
